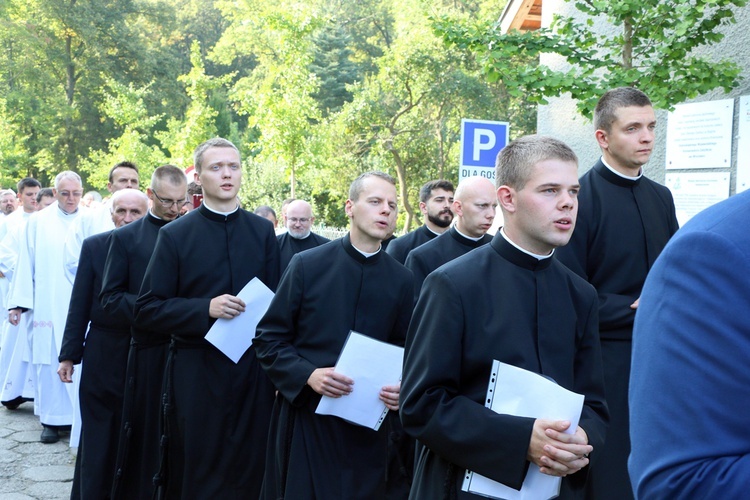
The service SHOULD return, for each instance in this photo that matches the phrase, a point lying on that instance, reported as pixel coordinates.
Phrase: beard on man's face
(299, 234)
(442, 218)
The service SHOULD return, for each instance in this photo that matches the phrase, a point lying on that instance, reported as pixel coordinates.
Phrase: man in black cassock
(217, 411)
(474, 204)
(435, 201)
(92, 335)
(129, 252)
(346, 285)
(624, 222)
(298, 219)
(510, 301)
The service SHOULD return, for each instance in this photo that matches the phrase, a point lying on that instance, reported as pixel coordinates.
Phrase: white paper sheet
(234, 336)
(372, 364)
(515, 391)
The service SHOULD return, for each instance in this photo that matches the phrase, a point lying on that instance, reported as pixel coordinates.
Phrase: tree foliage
(316, 92)
(654, 42)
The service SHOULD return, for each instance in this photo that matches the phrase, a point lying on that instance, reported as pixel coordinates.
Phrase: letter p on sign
(484, 140)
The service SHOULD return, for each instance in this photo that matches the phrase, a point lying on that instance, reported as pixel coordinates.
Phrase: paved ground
(28, 468)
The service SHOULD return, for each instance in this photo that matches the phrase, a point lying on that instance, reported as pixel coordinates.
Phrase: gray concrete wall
(560, 118)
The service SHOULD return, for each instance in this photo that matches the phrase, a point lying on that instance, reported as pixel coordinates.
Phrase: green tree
(405, 118)
(653, 48)
(334, 68)
(57, 57)
(13, 153)
(125, 106)
(277, 95)
(207, 104)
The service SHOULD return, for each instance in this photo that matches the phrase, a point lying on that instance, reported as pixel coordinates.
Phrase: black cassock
(433, 254)
(289, 246)
(495, 303)
(325, 293)
(104, 352)
(400, 247)
(622, 227)
(138, 449)
(218, 411)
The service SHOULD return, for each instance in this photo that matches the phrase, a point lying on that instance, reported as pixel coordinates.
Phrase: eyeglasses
(68, 194)
(301, 220)
(169, 203)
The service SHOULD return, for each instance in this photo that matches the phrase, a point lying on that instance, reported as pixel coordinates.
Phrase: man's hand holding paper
(328, 382)
(556, 452)
(389, 395)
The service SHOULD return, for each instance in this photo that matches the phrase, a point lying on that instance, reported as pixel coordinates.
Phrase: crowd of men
(109, 305)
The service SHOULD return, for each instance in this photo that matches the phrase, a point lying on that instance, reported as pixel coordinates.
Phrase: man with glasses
(129, 252)
(40, 287)
(298, 236)
(123, 175)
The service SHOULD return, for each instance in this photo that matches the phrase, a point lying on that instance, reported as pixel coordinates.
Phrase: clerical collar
(628, 177)
(430, 230)
(366, 254)
(220, 213)
(358, 255)
(157, 221)
(467, 237)
(152, 214)
(298, 239)
(536, 256)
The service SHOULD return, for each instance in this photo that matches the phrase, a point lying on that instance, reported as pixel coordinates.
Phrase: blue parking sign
(481, 141)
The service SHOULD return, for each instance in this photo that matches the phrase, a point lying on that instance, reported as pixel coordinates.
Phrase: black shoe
(49, 435)
(13, 403)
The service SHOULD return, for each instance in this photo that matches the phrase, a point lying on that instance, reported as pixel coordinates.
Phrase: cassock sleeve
(614, 309)
(158, 307)
(277, 331)
(690, 381)
(79, 311)
(116, 298)
(434, 411)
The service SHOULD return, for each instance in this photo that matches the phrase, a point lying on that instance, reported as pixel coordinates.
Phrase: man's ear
(602, 138)
(348, 207)
(458, 208)
(506, 197)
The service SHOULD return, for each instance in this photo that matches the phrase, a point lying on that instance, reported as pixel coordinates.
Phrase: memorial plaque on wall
(696, 191)
(699, 135)
(743, 145)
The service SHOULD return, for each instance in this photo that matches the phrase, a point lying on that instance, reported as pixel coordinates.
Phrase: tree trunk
(403, 192)
(293, 183)
(627, 45)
